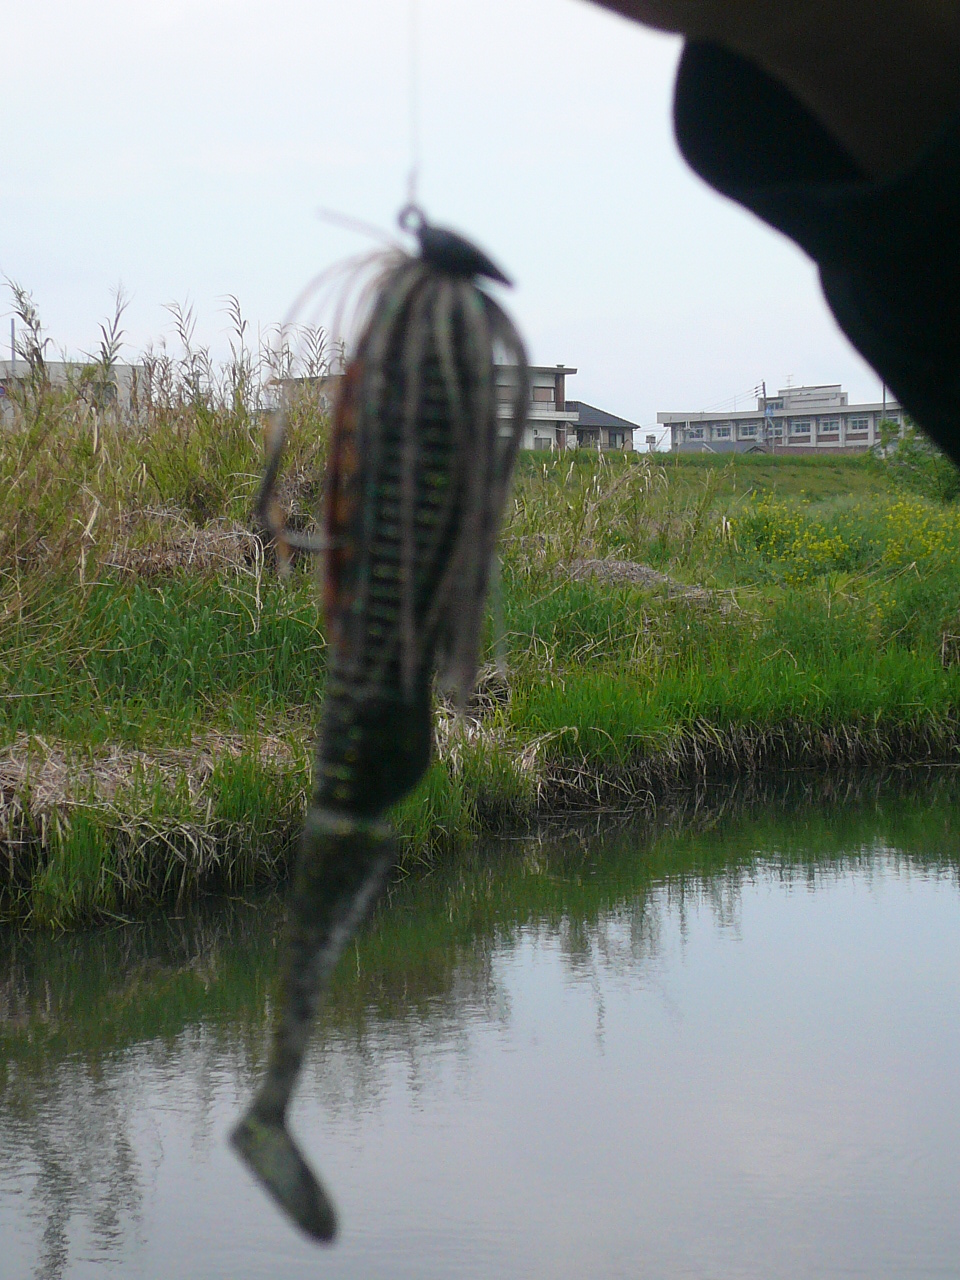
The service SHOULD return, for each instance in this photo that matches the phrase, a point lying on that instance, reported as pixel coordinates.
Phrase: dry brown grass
(172, 544)
(610, 569)
(55, 775)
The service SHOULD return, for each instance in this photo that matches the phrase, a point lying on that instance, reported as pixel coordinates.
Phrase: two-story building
(795, 420)
(551, 419)
(554, 422)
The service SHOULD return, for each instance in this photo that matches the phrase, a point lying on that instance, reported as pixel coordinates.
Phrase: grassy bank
(663, 621)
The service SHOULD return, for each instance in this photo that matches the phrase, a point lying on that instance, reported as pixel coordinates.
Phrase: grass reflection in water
(87, 1020)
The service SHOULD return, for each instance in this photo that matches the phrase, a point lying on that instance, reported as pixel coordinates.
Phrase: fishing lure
(421, 457)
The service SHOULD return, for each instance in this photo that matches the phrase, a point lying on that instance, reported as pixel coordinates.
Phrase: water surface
(720, 1048)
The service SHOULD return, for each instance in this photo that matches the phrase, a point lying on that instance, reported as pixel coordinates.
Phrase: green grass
(807, 614)
(128, 660)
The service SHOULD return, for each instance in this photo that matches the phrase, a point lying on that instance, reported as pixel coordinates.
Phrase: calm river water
(720, 1045)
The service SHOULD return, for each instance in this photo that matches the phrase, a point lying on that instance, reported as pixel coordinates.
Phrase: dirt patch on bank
(54, 774)
(643, 575)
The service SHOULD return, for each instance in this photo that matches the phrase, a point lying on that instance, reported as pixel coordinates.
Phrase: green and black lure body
(422, 452)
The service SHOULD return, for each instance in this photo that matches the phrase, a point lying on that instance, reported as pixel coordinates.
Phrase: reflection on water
(718, 1046)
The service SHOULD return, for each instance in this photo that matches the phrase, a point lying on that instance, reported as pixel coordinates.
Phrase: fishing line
(413, 98)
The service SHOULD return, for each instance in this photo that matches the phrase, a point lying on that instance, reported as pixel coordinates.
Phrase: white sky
(183, 146)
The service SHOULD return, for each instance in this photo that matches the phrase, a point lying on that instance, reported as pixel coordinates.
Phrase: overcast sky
(182, 147)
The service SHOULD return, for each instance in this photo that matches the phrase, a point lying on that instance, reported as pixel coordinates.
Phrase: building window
(829, 427)
(858, 424)
(695, 433)
(542, 395)
(722, 433)
(748, 428)
(800, 426)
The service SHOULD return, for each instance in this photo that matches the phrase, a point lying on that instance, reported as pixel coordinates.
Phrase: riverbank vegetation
(95, 994)
(659, 621)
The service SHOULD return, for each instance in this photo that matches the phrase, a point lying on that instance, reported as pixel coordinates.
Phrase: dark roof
(721, 446)
(591, 416)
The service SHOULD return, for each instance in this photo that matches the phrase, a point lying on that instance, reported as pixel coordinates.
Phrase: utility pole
(763, 396)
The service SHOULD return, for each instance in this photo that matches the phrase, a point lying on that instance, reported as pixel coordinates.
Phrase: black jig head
(446, 250)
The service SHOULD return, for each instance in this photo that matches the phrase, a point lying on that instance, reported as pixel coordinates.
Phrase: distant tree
(916, 463)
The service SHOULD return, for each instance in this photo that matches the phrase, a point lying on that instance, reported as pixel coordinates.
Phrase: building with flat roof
(795, 420)
(120, 387)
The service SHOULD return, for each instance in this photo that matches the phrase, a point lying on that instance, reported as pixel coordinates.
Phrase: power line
(731, 401)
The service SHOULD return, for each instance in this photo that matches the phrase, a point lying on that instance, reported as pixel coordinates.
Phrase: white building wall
(817, 418)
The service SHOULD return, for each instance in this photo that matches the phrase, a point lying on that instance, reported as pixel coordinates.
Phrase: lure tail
(422, 452)
(342, 866)
(275, 1159)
